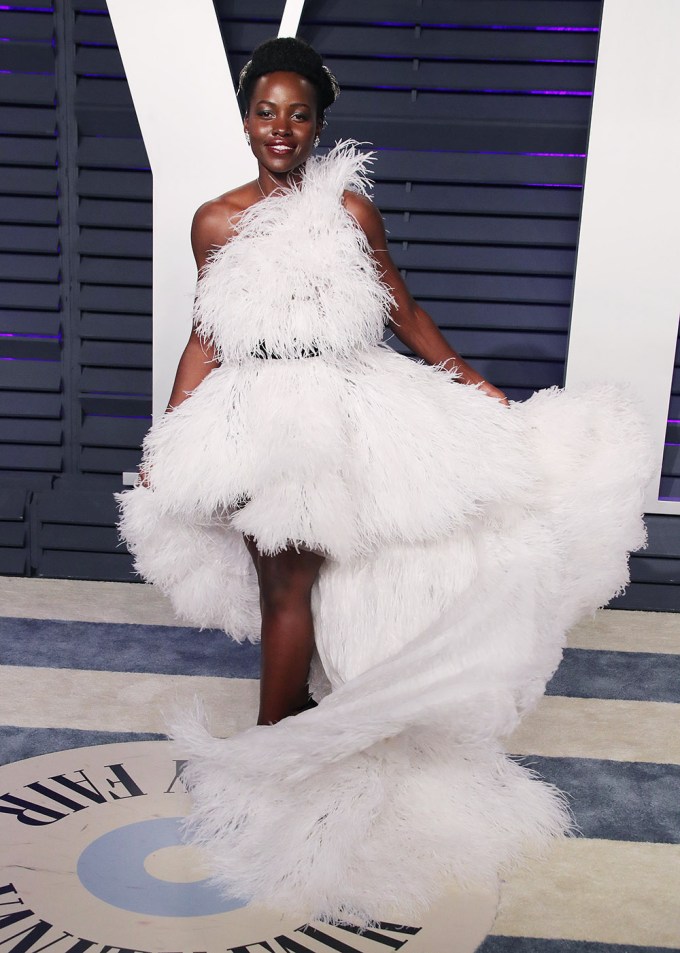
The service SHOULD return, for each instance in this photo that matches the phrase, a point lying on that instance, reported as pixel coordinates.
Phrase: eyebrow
(268, 102)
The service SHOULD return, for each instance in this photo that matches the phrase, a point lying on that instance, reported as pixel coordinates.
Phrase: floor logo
(93, 862)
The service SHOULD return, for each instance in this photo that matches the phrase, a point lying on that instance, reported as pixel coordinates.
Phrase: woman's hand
(144, 478)
(492, 391)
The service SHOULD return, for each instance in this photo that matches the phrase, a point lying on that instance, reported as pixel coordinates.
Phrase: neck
(269, 181)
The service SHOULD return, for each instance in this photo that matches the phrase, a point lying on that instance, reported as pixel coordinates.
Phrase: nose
(281, 126)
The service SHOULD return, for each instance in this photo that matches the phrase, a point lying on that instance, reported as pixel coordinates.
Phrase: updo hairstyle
(292, 55)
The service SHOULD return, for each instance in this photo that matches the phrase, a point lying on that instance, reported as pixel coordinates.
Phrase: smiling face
(282, 121)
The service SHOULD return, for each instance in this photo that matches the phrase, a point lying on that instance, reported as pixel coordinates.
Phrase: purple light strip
(500, 92)
(482, 152)
(517, 28)
(33, 337)
(7, 6)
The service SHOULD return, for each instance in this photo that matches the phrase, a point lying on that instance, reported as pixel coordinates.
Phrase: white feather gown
(462, 540)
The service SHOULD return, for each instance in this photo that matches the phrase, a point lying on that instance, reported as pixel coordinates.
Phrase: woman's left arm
(412, 324)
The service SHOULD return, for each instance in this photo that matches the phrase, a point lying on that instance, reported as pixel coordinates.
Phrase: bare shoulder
(367, 215)
(215, 221)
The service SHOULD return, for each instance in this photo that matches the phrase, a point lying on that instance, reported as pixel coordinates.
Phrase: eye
(264, 112)
(303, 116)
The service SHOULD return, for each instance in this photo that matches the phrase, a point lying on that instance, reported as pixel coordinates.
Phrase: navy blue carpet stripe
(118, 647)
(526, 944)
(170, 650)
(617, 800)
(16, 744)
(634, 676)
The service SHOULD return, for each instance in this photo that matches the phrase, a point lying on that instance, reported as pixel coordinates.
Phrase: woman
(396, 525)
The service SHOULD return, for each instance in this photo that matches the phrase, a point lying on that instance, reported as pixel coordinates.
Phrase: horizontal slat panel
(92, 91)
(23, 208)
(35, 238)
(27, 181)
(30, 88)
(490, 287)
(29, 267)
(14, 430)
(493, 230)
(16, 403)
(78, 507)
(115, 184)
(21, 120)
(475, 199)
(369, 40)
(25, 348)
(130, 300)
(671, 460)
(465, 107)
(449, 167)
(100, 460)
(96, 121)
(59, 564)
(12, 503)
(30, 57)
(115, 381)
(18, 294)
(479, 258)
(36, 25)
(467, 137)
(114, 271)
(115, 213)
(13, 534)
(121, 431)
(115, 327)
(115, 354)
(26, 151)
(666, 571)
(122, 243)
(582, 13)
(112, 153)
(30, 375)
(13, 562)
(497, 315)
(30, 322)
(649, 597)
(112, 405)
(95, 539)
(22, 457)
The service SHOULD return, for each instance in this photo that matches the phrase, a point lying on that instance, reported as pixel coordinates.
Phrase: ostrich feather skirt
(462, 540)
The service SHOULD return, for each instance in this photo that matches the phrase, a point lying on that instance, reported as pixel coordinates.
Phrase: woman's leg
(287, 638)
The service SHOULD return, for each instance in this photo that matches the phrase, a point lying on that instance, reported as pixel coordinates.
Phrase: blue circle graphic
(112, 868)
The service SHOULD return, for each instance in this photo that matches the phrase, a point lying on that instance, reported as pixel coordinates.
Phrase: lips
(280, 148)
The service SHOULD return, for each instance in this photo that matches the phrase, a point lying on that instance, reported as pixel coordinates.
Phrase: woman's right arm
(210, 227)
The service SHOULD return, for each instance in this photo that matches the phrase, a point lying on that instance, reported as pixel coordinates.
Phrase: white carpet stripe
(600, 728)
(596, 890)
(614, 630)
(131, 701)
(617, 630)
(120, 701)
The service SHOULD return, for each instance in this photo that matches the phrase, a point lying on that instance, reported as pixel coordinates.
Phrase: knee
(286, 583)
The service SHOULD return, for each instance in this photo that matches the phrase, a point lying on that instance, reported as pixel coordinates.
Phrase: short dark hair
(291, 55)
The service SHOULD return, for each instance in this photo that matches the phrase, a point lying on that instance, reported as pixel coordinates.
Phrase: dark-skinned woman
(409, 546)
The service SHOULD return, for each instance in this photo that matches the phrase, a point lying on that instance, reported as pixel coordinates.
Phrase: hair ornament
(242, 75)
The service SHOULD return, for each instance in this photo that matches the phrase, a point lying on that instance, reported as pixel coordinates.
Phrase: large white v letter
(186, 105)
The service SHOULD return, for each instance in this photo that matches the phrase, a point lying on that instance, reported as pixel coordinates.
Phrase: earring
(316, 142)
(247, 135)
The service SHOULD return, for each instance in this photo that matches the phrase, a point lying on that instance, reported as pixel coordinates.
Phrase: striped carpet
(91, 663)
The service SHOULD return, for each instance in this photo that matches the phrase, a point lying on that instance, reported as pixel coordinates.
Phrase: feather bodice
(298, 273)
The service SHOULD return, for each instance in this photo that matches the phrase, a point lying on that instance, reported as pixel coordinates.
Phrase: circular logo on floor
(93, 861)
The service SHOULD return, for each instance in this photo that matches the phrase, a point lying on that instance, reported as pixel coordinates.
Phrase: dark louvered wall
(75, 220)
(479, 110)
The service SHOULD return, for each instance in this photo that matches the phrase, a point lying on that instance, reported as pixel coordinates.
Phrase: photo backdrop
(480, 113)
